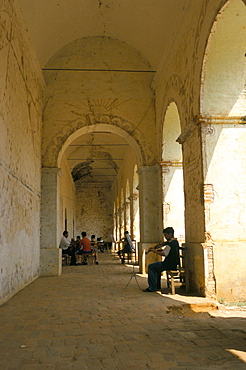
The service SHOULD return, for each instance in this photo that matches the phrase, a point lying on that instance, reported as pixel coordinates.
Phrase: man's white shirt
(64, 243)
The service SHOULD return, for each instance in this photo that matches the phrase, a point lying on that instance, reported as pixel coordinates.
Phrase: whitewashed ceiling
(146, 25)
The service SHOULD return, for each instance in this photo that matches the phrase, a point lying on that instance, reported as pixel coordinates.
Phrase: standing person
(126, 248)
(67, 248)
(171, 254)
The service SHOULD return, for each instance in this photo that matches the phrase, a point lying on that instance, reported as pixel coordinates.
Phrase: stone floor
(89, 318)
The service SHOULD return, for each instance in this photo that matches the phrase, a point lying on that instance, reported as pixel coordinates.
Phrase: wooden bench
(177, 277)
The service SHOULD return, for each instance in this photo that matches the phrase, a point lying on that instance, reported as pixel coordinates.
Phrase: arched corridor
(88, 320)
(120, 115)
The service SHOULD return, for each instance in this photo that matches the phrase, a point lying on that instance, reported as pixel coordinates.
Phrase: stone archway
(54, 199)
(223, 110)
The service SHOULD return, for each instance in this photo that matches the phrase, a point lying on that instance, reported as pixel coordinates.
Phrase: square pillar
(50, 255)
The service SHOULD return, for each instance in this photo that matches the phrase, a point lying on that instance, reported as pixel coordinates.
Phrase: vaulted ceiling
(96, 157)
(148, 26)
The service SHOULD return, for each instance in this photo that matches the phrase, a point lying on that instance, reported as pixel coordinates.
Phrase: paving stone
(100, 325)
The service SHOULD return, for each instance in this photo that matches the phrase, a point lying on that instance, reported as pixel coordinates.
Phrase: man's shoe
(148, 290)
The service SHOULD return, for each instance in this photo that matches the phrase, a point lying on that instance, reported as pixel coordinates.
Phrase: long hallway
(88, 318)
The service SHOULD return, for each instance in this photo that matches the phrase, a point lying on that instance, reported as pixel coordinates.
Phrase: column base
(50, 262)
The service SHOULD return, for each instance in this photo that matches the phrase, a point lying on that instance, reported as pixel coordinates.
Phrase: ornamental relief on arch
(58, 140)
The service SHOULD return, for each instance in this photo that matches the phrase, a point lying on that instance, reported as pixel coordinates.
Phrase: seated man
(127, 248)
(85, 248)
(171, 254)
(67, 248)
(100, 244)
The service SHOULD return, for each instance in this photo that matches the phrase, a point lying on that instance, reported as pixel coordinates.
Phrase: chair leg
(172, 285)
(168, 280)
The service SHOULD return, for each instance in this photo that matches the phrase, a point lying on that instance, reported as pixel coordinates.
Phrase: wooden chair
(90, 257)
(66, 259)
(177, 277)
(132, 256)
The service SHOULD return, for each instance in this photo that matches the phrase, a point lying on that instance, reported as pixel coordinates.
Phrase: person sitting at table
(77, 243)
(68, 248)
(86, 249)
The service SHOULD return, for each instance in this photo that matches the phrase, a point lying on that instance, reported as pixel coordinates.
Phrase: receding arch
(99, 127)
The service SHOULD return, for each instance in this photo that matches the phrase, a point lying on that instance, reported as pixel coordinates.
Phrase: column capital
(52, 170)
(171, 163)
(155, 168)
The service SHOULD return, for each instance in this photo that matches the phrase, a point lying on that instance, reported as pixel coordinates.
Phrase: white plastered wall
(21, 87)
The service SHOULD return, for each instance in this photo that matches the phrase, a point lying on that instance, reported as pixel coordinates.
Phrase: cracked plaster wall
(94, 210)
(20, 154)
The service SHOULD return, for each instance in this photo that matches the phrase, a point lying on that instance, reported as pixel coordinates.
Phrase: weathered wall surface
(94, 211)
(179, 80)
(20, 155)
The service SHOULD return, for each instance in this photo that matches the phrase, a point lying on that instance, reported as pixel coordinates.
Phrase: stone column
(122, 221)
(134, 211)
(150, 205)
(50, 254)
(118, 225)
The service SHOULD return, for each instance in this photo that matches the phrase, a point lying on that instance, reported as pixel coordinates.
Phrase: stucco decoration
(98, 80)
(60, 141)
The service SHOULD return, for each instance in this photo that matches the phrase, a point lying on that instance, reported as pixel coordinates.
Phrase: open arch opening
(91, 160)
(172, 173)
